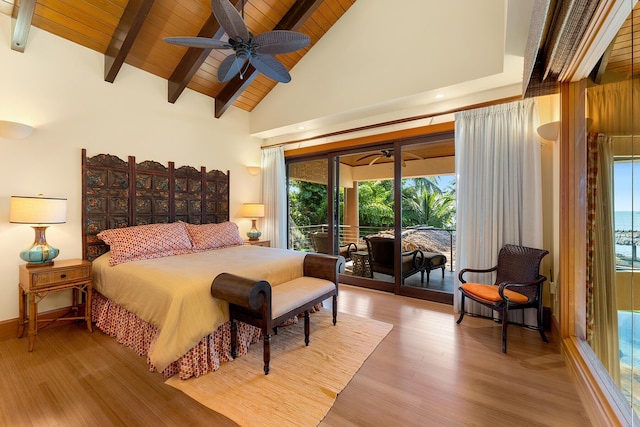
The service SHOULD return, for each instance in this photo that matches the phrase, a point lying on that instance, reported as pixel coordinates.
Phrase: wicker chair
(320, 241)
(381, 258)
(518, 285)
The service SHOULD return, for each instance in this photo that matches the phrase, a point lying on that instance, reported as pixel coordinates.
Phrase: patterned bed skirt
(140, 336)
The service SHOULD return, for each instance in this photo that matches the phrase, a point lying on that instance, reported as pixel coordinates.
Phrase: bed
(157, 236)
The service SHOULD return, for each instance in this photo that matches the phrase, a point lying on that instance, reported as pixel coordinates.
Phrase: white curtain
(499, 196)
(274, 196)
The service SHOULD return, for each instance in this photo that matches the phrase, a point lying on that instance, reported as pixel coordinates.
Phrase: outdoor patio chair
(320, 241)
(518, 285)
(381, 258)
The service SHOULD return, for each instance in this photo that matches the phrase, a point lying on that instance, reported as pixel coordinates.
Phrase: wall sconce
(14, 130)
(550, 131)
(253, 170)
(40, 211)
(253, 211)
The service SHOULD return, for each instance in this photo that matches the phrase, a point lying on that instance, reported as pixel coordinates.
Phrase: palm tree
(425, 203)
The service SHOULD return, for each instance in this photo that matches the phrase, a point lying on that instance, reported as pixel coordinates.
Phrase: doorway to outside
(391, 216)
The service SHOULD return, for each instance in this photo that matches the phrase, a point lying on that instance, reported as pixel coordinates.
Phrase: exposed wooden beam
(23, 24)
(298, 14)
(124, 36)
(194, 58)
(233, 89)
(292, 20)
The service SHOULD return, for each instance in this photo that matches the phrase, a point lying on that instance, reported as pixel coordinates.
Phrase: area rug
(303, 382)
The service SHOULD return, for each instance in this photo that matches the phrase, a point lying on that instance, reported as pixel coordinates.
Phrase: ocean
(626, 221)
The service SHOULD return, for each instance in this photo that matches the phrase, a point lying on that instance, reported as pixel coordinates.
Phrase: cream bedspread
(174, 293)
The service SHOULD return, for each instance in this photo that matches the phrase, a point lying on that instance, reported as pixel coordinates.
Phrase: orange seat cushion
(490, 293)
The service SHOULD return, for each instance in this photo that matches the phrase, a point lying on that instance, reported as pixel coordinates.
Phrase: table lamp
(253, 211)
(40, 212)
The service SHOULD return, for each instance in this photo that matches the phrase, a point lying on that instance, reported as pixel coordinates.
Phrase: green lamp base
(40, 253)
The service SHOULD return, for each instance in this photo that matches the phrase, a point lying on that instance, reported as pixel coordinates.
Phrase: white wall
(58, 87)
(380, 52)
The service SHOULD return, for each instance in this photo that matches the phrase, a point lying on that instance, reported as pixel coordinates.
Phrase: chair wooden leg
(461, 309)
(540, 326)
(505, 323)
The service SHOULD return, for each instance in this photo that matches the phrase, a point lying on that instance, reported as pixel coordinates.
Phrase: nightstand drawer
(62, 275)
(65, 271)
(265, 243)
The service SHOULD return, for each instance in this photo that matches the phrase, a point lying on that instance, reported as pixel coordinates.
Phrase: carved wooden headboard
(118, 193)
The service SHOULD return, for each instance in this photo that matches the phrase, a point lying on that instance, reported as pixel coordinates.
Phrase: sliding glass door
(308, 189)
(428, 219)
(365, 215)
(388, 209)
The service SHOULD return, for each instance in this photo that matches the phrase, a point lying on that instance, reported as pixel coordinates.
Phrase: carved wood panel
(118, 193)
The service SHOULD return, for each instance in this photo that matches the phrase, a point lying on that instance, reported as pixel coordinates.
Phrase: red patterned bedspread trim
(138, 335)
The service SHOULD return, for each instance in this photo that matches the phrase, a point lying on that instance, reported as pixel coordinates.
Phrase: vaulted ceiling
(367, 62)
(468, 51)
(132, 32)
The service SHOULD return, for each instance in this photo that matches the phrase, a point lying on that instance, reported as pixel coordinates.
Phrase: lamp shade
(253, 210)
(37, 210)
(549, 131)
(14, 130)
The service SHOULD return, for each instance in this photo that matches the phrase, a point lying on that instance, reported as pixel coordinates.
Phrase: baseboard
(9, 328)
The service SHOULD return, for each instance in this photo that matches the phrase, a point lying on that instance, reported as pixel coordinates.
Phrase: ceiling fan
(249, 49)
(387, 154)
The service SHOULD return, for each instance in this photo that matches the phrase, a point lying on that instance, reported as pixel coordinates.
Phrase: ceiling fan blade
(201, 42)
(281, 41)
(229, 18)
(229, 67)
(375, 160)
(270, 67)
(413, 156)
(367, 155)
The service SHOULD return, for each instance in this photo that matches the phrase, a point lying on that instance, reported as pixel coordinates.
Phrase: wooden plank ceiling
(132, 32)
(622, 57)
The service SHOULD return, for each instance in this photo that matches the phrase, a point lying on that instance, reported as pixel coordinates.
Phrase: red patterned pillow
(146, 242)
(214, 236)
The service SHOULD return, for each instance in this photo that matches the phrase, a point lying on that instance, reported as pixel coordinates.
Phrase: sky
(626, 186)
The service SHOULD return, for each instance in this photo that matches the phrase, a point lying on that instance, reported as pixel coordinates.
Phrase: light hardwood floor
(427, 372)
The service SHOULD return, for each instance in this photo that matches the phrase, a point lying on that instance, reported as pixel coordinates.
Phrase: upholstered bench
(433, 261)
(258, 303)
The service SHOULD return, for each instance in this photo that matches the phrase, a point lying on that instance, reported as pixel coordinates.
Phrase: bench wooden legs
(234, 338)
(266, 352)
(266, 339)
(266, 333)
(335, 309)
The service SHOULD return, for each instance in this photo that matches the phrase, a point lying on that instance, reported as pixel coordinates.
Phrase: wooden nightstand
(265, 243)
(37, 282)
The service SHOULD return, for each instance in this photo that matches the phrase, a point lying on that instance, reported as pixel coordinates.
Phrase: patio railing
(300, 236)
